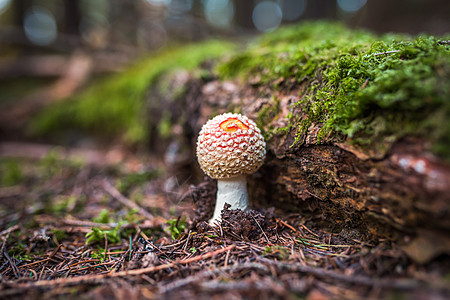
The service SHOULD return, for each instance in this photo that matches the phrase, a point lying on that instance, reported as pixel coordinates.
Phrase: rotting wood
(380, 192)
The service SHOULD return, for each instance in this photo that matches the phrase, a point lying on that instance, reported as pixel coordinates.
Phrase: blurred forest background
(131, 27)
(49, 49)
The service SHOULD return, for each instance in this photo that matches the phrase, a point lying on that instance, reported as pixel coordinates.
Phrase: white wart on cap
(230, 146)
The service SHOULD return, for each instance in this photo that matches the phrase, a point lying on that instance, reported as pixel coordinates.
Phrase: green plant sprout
(97, 235)
(176, 227)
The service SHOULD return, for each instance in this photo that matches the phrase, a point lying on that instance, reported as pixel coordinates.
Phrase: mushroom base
(232, 191)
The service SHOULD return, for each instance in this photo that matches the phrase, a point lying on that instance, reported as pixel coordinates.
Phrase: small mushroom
(230, 146)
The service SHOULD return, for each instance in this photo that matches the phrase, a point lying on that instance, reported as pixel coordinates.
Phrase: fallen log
(402, 190)
(356, 125)
(377, 181)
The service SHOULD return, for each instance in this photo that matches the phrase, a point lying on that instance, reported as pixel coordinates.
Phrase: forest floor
(106, 230)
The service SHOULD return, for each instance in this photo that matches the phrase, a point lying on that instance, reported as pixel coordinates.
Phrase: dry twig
(101, 277)
(125, 201)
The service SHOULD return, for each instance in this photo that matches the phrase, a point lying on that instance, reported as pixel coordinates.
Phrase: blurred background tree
(131, 27)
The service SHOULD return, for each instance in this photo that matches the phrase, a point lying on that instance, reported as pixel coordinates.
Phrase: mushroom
(230, 146)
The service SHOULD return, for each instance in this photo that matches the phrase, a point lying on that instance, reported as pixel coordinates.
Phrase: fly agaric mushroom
(230, 146)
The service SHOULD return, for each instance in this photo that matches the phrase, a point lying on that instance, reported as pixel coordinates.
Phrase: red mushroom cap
(230, 145)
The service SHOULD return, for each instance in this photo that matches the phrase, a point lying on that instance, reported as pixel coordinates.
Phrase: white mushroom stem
(232, 191)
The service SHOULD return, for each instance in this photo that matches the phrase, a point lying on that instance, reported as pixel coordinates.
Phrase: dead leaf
(427, 246)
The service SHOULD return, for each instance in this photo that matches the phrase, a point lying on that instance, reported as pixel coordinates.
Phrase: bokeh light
(293, 9)
(94, 24)
(4, 4)
(94, 29)
(351, 6)
(219, 13)
(267, 16)
(159, 2)
(40, 26)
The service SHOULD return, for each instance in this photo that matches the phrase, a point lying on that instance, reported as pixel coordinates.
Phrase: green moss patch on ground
(365, 87)
(115, 106)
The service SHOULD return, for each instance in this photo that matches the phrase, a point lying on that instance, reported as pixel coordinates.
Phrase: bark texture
(397, 187)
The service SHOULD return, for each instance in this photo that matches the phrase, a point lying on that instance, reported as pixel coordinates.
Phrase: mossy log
(357, 125)
(378, 193)
(339, 149)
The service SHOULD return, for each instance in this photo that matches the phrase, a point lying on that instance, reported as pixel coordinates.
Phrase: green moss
(18, 251)
(359, 85)
(103, 217)
(115, 106)
(278, 251)
(165, 125)
(293, 52)
(10, 172)
(100, 254)
(267, 113)
(98, 235)
(61, 204)
(59, 234)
